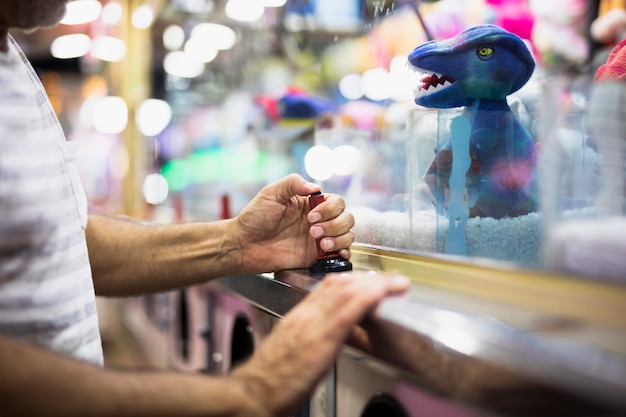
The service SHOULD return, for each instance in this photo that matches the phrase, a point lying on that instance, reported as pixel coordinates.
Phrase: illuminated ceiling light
(108, 48)
(244, 10)
(351, 87)
(153, 116)
(214, 35)
(173, 37)
(142, 17)
(181, 64)
(155, 189)
(318, 162)
(81, 12)
(199, 50)
(70, 46)
(110, 115)
(274, 3)
(112, 13)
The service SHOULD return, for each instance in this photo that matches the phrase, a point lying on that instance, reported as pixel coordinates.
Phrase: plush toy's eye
(485, 52)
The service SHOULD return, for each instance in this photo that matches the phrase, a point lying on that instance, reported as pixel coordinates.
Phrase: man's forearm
(37, 382)
(129, 258)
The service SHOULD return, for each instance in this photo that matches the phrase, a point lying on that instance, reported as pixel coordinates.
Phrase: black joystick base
(327, 265)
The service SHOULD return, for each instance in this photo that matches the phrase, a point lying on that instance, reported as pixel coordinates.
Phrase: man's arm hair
(129, 257)
(38, 382)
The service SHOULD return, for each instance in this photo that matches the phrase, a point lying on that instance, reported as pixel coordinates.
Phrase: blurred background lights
(345, 160)
(152, 116)
(401, 77)
(318, 162)
(155, 189)
(181, 64)
(274, 3)
(81, 12)
(245, 10)
(214, 35)
(142, 17)
(198, 50)
(108, 48)
(194, 6)
(377, 84)
(112, 13)
(109, 115)
(399, 65)
(85, 114)
(351, 87)
(70, 46)
(173, 37)
(397, 114)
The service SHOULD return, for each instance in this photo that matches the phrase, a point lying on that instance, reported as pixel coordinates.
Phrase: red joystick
(326, 261)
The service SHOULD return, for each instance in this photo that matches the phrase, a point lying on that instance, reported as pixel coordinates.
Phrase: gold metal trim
(590, 301)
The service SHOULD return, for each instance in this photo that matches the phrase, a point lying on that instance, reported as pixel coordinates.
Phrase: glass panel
(323, 88)
(369, 169)
(480, 204)
(583, 179)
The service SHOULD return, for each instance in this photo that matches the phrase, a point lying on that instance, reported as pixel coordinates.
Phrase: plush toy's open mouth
(429, 82)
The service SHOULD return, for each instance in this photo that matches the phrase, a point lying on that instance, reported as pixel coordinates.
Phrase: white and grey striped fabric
(46, 289)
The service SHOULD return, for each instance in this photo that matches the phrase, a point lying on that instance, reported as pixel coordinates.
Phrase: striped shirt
(46, 289)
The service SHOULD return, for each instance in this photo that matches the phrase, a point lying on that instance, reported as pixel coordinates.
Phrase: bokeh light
(152, 116)
(108, 48)
(214, 36)
(70, 46)
(346, 160)
(112, 13)
(110, 115)
(351, 87)
(142, 17)
(173, 37)
(377, 84)
(155, 189)
(81, 12)
(181, 64)
(245, 10)
(198, 50)
(318, 162)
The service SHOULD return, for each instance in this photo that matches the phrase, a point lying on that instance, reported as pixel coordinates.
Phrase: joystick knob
(326, 261)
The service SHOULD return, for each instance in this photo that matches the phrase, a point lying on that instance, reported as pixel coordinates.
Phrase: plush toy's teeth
(426, 89)
(429, 82)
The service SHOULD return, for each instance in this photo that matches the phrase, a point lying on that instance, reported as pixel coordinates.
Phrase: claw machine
(485, 164)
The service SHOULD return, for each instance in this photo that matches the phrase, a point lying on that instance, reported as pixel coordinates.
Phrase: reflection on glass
(467, 198)
(368, 168)
(583, 171)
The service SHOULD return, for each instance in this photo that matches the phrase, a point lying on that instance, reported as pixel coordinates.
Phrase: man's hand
(293, 359)
(278, 231)
(275, 231)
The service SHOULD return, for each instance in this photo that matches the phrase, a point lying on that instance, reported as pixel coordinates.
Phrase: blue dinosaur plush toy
(478, 69)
